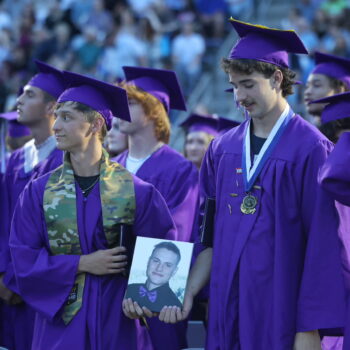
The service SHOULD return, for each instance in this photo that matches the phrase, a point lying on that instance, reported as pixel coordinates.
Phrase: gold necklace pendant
(249, 203)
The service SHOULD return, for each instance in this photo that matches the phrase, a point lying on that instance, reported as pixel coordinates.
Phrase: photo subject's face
(162, 265)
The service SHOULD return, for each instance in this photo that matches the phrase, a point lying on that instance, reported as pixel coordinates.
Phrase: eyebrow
(243, 81)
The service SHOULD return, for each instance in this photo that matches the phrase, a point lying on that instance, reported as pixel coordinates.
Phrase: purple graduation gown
(334, 176)
(18, 319)
(45, 281)
(176, 179)
(272, 270)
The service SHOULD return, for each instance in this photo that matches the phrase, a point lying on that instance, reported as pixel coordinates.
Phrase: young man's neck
(143, 145)
(41, 132)
(87, 162)
(263, 126)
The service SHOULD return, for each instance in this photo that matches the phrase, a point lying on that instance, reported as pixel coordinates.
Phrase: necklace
(85, 190)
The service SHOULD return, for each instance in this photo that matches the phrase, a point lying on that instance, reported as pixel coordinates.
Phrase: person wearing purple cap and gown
(330, 76)
(152, 93)
(200, 131)
(275, 245)
(335, 175)
(335, 120)
(64, 238)
(38, 156)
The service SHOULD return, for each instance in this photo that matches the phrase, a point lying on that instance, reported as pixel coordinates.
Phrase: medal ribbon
(251, 173)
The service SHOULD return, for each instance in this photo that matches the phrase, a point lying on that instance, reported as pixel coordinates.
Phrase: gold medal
(249, 204)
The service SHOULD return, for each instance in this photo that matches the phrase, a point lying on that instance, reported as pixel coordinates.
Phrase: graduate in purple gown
(38, 156)
(152, 93)
(275, 248)
(330, 76)
(200, 131)
(335, 174)
(64, 236)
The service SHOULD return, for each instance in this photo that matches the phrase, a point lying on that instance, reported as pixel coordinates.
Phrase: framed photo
(159, 272)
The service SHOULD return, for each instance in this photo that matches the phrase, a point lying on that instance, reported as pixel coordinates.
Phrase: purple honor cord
(266, 151)
(152, 295)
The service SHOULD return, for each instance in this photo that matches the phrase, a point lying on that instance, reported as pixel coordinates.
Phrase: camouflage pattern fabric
(118, 206)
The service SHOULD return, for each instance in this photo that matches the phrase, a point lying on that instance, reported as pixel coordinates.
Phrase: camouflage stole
(118, 206)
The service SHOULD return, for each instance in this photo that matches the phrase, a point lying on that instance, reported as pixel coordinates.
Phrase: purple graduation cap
(226, 124)
(333, 66)
(199, 122)
(265, 44)
(106, 99)
(15, 129)
(48, 79)
(160, 83)
(338, 107)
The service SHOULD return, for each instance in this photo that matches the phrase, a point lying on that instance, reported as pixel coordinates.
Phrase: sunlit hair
(249, 66)
(153, 108)
(90, 115)
(47, 97)
(337, 85)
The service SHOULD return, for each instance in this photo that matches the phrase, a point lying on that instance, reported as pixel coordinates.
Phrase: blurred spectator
(187, 53)
(240, 9)
(334, 8)
(100, 18)
(89, 51)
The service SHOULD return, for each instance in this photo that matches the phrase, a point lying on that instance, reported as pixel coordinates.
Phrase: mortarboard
(332, 66)
(15, 129)
(199, 122)
(48, 79)
(107, 99)
(160, 83)
(265, 44)
(13, 115)
(338, 107)
(226, 124)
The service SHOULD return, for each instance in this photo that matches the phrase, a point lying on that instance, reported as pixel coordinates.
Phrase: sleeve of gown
(5, 225)
(152, 214)
(44, 281)
(207, 180)
(321, 302)
(182, 199)
(334, 176)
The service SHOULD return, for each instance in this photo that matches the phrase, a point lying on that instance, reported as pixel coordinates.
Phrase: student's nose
(56, 125)
(240, 95)
(19, 99)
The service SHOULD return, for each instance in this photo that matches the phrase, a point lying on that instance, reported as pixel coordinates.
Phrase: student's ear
(277, 79)
(97, 125)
